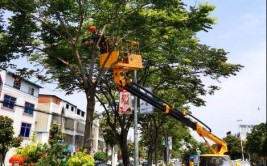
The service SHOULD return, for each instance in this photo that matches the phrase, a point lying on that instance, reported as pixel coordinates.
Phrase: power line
(45, 112)
(36, 110)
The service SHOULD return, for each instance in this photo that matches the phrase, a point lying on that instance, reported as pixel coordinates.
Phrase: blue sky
(240, 30)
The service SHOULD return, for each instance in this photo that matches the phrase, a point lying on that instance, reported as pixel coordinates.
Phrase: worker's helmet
(92, 29)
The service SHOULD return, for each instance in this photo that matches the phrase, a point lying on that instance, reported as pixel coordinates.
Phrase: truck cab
(215, 160)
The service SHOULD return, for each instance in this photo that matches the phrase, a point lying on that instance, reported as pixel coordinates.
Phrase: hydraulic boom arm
(165, 107)
(131, 60)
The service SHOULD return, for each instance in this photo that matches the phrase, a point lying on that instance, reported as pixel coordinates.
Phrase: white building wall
(43, 137)
(3, 78)
(69, 111)
(22, 95)
(24, 85)
(17, 114)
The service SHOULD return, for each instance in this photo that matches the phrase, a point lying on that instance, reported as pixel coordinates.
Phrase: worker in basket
(94, 39)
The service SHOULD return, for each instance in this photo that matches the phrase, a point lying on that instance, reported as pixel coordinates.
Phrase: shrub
(32, 152)
(81, 159)
(101, 156)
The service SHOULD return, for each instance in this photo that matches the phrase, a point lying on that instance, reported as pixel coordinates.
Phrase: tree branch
(40, 21)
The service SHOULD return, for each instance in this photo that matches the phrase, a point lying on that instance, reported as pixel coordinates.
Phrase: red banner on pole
(125, 103)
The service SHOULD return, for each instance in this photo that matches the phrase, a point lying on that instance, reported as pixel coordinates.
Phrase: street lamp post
(136, 152)
(241, 138)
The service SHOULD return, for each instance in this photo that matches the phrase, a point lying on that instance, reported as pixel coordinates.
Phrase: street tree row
(51, 34)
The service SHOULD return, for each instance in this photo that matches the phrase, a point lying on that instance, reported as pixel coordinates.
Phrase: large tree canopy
(256, 143)
(51, 32)
(234, 147)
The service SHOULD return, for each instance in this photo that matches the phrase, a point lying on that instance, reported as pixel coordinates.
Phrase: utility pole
(74, 134)
(241, 138)
(135, 126)
(166, 150)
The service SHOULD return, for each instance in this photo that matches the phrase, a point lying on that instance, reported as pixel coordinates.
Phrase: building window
(67, 106)
(31, 90)
(17, 83)
(83, 114)
(78, 111)
(80, 127)
(56, 119)
(9, 102)
(29, 108)
(72, 108)
(25, 129)
(69, 124)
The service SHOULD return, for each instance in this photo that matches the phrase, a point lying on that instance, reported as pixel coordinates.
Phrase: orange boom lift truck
(121, 61)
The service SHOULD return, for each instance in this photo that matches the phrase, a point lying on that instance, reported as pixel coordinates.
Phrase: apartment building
(33, 112)
(19, 99)
(70, 119)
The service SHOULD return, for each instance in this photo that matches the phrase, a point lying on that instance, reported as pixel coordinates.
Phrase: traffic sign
(146, 108)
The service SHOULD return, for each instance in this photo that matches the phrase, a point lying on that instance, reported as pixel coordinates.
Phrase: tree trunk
(88, 137)
(124, 149)
(157, 142)
(149, 156)
(3, 156)
(156, 154)
(2, 159)
(153, 146)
